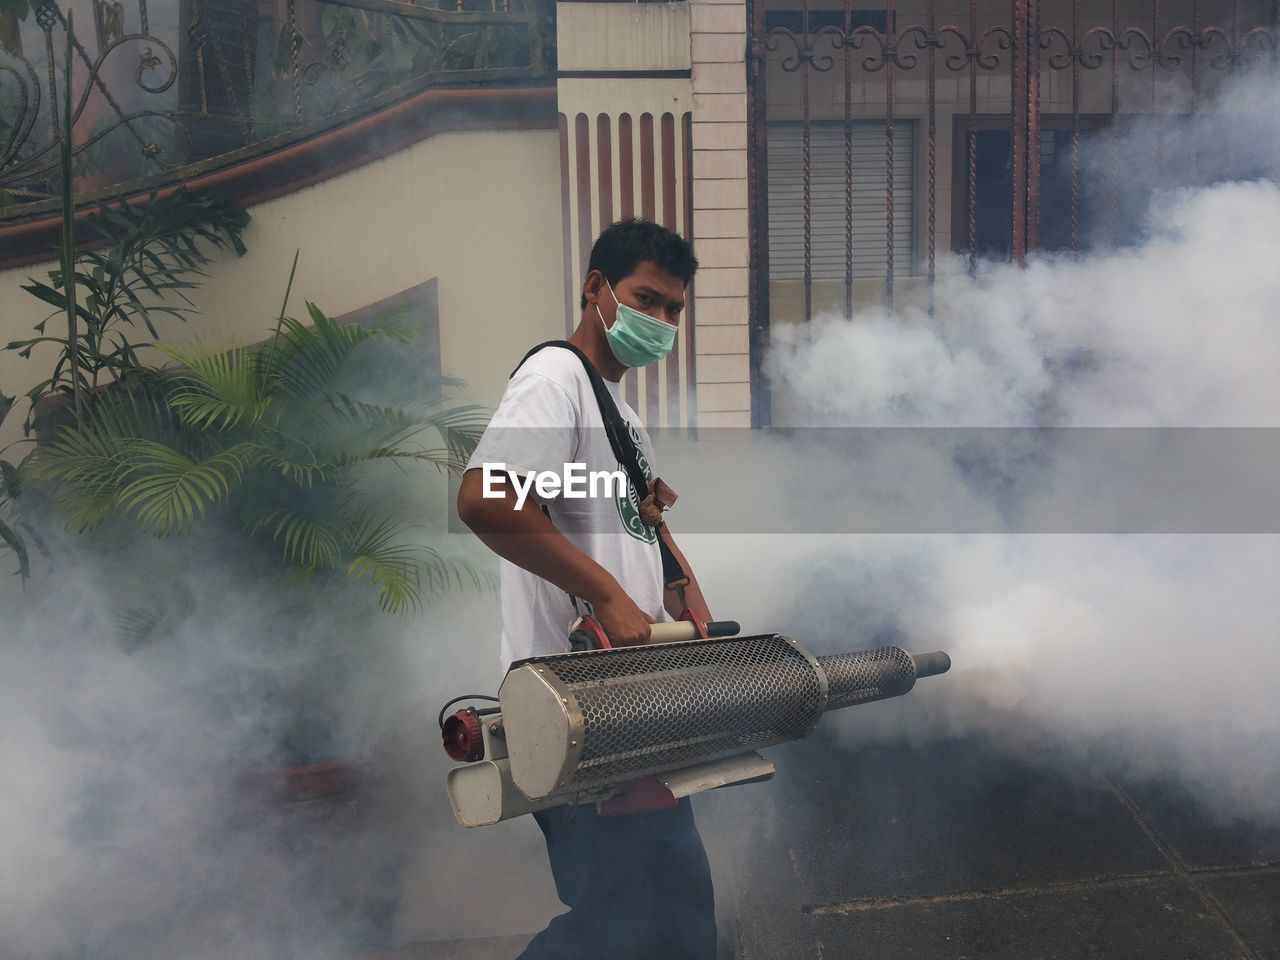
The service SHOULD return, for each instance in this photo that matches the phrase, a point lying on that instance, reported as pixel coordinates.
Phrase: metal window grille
(827, 212)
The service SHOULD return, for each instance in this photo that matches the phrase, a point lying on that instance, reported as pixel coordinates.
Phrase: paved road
(953, 851)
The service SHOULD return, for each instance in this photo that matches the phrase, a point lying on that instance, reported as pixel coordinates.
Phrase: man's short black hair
(623, 246)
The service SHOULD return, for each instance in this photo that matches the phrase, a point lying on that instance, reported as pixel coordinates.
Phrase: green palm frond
(375, 432)
(461, 427)
(10, 538)
(444, 573)
(83, 469)
(84, 508)
(10, 479)
(308, 541)
(393, 567)
(217, 387)
(138, 626)
(443, 459)
(403, 572)
(301, 471)
(400, 323)
(268, 433)
(167, 492)
(303, 361)
(86, 465)
(90, 463)
(118, 416)
(366, 423)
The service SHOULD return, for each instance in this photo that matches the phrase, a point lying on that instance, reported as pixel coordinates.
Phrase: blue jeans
(637, 887)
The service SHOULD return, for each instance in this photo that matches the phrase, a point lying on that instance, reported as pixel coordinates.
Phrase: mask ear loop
(597, 305)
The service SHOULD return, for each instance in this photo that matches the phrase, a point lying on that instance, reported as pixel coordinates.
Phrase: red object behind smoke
(639, 796)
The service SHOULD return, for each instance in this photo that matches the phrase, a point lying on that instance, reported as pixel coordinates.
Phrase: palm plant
(154, 252)
(275, 440)
(10, 539)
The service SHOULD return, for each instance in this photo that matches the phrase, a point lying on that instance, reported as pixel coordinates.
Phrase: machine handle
(588, 635)
(931, 664)
(684, 630)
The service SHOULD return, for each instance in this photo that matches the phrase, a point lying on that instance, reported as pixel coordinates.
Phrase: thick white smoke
(142, 815)
(1153, 652)
(125, 830)
(1179, 332)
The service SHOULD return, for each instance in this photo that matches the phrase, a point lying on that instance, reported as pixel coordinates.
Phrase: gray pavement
(953, 851)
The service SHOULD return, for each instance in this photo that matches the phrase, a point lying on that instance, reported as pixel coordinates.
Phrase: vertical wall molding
(619, 165)
(653, 99)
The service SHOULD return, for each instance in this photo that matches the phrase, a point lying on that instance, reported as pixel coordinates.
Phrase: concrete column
(719, 42)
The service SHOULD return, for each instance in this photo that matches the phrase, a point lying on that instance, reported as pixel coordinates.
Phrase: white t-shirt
(548, 418)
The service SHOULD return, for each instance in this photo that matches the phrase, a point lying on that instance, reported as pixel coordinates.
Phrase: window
(993, 211)
(827, 202)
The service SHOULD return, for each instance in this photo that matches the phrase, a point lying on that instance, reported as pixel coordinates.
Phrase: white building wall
(479, 211)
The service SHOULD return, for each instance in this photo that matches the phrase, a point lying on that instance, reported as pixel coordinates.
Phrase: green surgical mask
(636, 338)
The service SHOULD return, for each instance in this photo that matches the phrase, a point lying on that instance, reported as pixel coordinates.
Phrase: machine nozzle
(931, 664)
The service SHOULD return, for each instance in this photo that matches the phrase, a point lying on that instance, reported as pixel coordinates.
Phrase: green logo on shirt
(628, 505)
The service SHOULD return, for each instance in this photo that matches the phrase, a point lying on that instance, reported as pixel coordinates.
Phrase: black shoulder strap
(624, 448)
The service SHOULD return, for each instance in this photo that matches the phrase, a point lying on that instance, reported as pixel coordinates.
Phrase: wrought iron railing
(1142, 62)
(163, 88)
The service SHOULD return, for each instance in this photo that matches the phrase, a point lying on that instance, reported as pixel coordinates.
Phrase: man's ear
(592, 286)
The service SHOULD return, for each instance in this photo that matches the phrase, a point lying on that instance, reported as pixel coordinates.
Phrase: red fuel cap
(463, 739)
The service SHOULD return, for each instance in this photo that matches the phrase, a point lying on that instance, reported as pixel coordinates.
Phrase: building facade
(826, 157)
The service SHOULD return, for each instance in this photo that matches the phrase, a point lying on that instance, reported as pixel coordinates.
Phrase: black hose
(468, 696)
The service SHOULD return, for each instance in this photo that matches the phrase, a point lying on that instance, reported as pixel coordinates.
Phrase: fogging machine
(637, 728)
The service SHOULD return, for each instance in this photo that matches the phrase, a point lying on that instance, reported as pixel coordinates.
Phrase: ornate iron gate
(1007, 89)
(166, 89)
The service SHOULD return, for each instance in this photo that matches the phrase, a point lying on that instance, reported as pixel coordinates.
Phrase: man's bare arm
(527, 538)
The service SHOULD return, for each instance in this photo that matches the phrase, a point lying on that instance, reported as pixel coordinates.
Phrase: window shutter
(827, 200)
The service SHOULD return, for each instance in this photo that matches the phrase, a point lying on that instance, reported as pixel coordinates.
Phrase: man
(637, 886)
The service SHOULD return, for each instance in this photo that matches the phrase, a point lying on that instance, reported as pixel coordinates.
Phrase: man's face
(649, 289)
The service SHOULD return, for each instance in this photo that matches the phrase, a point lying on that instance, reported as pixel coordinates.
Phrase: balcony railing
(166, 89)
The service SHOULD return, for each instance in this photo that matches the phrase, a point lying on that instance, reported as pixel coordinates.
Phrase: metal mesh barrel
(579, 721)
(868, 675)
(649, 709)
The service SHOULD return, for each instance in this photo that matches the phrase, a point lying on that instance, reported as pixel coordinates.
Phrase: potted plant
(280, 468)
(270, 439)
(274, 463)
